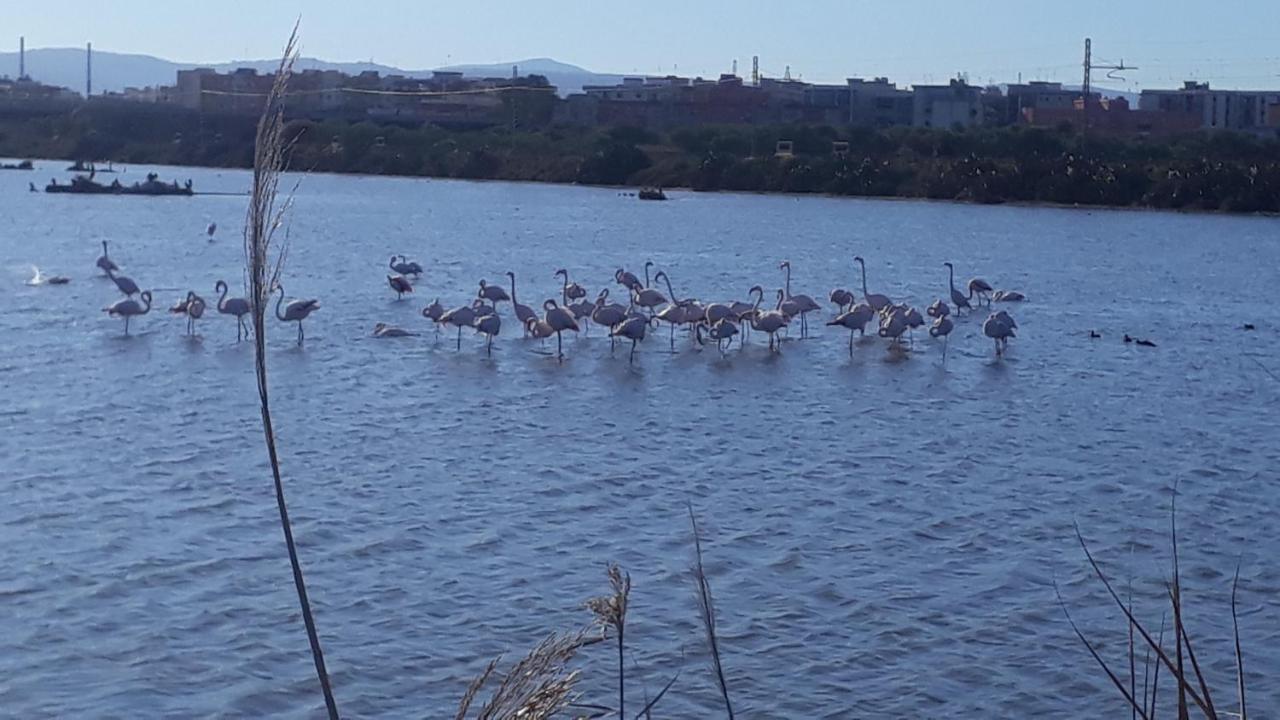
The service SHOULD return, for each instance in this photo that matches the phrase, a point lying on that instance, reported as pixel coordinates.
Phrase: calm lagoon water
(882, 535)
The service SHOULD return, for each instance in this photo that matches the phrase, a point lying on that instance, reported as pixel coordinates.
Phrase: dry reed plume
(263, 219)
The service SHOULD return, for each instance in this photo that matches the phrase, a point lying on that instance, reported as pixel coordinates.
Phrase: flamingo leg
(850, 343)
(559, 346)
(459, 338)
(126, 326)
(488, 349)
(632, 359)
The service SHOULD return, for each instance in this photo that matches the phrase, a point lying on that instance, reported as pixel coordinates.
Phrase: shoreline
(1026, 204)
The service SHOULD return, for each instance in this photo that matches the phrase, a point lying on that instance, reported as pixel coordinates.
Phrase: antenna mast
(1089, 67)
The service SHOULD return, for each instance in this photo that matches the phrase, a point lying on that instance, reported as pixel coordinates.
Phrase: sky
(821, 40)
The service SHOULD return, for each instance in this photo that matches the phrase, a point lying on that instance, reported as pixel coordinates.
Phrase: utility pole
(22, 58)
(1089, 67)
(755, 70)
(88, 71)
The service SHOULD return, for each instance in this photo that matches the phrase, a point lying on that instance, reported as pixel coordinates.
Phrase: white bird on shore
(237, 306)
(129, 308)
(295, 311)
(104, 262)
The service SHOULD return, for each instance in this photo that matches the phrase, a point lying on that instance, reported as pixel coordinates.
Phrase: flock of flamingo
(646, 308)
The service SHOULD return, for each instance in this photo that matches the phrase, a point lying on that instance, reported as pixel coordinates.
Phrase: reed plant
(264, 261)
(1192, 690)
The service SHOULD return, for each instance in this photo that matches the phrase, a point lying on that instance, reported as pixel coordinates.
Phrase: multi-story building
(956, 104)
(1247, 110)
(878, 103)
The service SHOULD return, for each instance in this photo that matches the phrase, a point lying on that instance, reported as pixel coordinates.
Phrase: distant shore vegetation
(1220, 171)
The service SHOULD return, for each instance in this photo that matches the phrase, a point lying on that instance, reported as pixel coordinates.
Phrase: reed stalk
(1193, 691)
(707, 614)
(264, 217)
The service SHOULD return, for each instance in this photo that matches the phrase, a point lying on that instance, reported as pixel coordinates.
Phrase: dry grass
(540, 686)
(264, 217)
(611, 613)
(1193, 691)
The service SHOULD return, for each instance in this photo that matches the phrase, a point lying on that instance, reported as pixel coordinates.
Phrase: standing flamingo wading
(800, 305)
(524, 313)
(855, 319)
(126, 285)
(237, 306)
(295, 311)
(877, 301)
(192, 306)
(560, 320)
(402, 266)
(492, 293)
(400, 284)
(104, 261)
(128, 308)
(980, 287)
(957, 297)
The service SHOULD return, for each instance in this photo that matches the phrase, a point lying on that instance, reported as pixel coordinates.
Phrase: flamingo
(855, 319)
(125, 284)
(720, 332)
(980, 287)
(876, 301)
(492, 293)
(1008, 296)
(434, 312)
(232, 306)
(633, 329)
(607, 315)
(942, 328)
(800, 305)
(490, 325)
(842, 299)
(893, 323)
(523, 312)
(676, 312)
(999, 329)
(192, 306)
(914, 320)
(383, 330)
(715, 312)
(295, 311)
(769, 322)
(538, 328)
(129, 307)
(400, 284)
(104, 262)
(404, 267)
(957, 297)
(647, 297)
(938, 309)
(560, 320)
(627, 280)
(460, 317)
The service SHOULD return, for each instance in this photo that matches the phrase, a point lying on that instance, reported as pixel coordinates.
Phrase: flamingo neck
(864, 278)
(279, 302)
(513, 289)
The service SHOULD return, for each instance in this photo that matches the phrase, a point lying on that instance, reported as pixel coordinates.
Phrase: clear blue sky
(1231, 44)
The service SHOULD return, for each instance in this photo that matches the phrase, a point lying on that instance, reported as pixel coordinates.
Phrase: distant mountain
(65, 67)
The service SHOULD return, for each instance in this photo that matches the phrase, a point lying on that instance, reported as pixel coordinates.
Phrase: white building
(946, 106)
